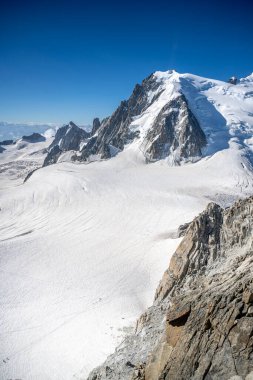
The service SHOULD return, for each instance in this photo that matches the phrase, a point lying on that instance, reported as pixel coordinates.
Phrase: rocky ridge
(201, 323)
(174, 132)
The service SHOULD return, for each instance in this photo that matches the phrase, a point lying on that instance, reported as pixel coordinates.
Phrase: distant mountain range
(15, 131)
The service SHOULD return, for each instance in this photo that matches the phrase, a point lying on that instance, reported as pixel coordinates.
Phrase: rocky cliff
(201, 323)
(68, 138)
(175, 133)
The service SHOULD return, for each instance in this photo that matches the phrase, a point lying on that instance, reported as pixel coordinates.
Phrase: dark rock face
(67, 138)
(1, 149)
(233, 80)
(34, 138)
(52, 155)
(7, 142)
(200, 326)
(95, 125)
(175, 132)
(114, 131)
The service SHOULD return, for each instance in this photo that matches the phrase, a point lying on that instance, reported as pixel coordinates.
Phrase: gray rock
(176, 133)
(200, 325)
(68, 137)
(34, 138)
(52, 156)
(95, 125)
(114, 131)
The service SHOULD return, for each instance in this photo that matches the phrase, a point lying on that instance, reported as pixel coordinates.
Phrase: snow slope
(83, 246)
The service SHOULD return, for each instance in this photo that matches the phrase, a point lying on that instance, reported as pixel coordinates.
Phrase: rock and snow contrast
(86, 239)
(201, 323)
(177, 117)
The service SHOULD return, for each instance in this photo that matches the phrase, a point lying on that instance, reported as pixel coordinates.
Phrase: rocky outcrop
(67, 138)
(201, 323)
(34, 138)
(233, 80)
(95, 125)
(52, 156)
(114, 133)
(175, 133)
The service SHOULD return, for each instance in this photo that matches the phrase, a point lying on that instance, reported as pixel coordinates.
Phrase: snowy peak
(156, 119)
(249, 78)
(169, 116)
(69, 137)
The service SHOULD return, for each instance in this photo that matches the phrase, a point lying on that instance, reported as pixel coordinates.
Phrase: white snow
(83, 246)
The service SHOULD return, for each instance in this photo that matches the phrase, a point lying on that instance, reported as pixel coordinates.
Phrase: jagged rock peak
(95, 125)
(172, 131)
(156, 117)
(67, 138)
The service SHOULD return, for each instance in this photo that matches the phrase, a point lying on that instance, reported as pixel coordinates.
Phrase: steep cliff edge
(201, 323)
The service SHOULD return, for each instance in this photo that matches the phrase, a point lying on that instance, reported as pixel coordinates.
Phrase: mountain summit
(169, 116)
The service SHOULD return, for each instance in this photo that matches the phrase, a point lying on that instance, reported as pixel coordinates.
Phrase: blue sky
(74, 60)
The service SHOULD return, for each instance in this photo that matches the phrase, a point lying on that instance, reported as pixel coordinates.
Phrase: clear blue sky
(74, 60)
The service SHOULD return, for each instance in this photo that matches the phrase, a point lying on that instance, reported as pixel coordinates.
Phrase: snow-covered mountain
(177, 117)
(84, 244)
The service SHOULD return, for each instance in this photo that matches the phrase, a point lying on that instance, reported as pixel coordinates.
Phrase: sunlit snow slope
(83, 246)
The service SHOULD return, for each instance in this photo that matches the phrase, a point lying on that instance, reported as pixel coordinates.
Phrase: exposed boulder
(1, 149)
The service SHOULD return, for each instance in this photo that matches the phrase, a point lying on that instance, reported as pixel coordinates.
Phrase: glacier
(84, 244)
